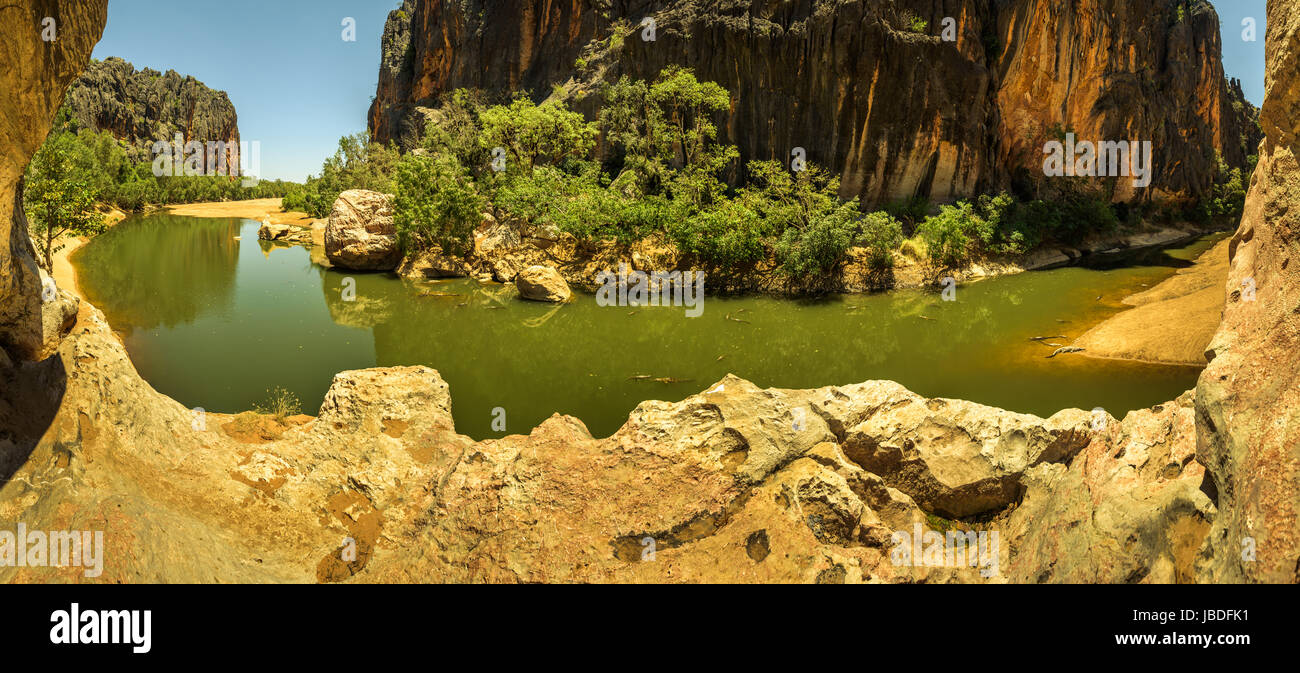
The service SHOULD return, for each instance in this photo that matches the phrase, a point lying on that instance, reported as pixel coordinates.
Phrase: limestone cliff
(36, 74)
(1248, 405)
(871, 89)
(141, 107)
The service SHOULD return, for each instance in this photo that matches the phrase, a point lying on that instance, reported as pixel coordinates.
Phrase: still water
(215, 318)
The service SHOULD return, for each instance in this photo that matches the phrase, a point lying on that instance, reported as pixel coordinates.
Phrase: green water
(215, 321)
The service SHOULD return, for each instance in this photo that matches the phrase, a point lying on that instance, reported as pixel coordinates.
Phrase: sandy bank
(65, 277)
(1172, 323)
(253, 209)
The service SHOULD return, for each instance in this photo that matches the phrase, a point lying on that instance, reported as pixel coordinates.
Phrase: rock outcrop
(828, 77)
(32, 85)
(141, 107)
(360, 234)
(1247, 402)
(542, 283)
(735, 483)
(272, 232)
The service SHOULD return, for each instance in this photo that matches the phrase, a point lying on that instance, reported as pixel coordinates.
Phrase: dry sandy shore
(253, 209)
(1173, 322)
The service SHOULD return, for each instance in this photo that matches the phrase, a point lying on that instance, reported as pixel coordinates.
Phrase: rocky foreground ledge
(736, 483)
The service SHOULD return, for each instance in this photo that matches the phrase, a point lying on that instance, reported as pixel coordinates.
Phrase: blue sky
(1241, 59)
(298, 87)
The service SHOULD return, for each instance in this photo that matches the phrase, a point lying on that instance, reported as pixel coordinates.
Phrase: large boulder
(542, 283)
(494, 238)
(360, 234)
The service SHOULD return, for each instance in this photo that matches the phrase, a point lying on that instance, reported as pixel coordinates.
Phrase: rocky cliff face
(142, 107)
(894, 110)
(35, 76)
(1248, 406)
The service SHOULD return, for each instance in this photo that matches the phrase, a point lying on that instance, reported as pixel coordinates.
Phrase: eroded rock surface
(1247, 401)
(32, 85)
(542, 283)
(889, 106)
(360, 234)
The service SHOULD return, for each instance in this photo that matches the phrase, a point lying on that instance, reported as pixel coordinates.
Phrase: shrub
(949, 236)
(1081, 216)
(728, 233)
(280, 403)
(881, 235)
(911, 211)
(435, 203)
(1006, 227)
(818, 248)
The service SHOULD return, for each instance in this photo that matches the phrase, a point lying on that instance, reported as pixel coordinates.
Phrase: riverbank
(65, 276)
(918, 275)
(253, 209)
(1171, 323)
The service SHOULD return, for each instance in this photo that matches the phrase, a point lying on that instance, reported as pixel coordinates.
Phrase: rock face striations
(737, 483)
(35, 76)
(1247, 401)
(142, 107)
(871, 89)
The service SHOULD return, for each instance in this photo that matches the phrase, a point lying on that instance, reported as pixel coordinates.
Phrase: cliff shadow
(30, 396)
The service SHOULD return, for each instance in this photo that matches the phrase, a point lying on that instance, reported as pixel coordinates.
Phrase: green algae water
(216, 319)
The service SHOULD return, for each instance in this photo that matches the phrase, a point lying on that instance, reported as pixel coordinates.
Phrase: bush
(728, 233)
(1081, 216)
(910, 212)
(435, 203)
(820, 247)
(950, 236)
(1006, 227)
(280, 403)
(881, 236)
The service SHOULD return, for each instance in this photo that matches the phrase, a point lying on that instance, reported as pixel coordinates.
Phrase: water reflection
(133, 271)
(217, 326)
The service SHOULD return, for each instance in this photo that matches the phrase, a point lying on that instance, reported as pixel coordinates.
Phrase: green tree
(435, 204)
(58, 199)
(666, 126)
(549, 133)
